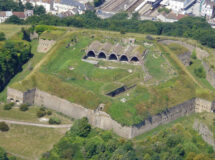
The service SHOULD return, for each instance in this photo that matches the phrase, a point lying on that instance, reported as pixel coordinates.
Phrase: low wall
(103, 120)
(45, 45)
(14, 95)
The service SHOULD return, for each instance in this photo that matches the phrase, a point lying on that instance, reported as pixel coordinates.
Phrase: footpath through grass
(29, 142)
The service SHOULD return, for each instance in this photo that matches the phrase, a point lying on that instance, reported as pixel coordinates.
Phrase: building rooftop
(108, 48)
(74, 3)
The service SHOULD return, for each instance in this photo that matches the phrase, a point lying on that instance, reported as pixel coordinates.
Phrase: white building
(47, 4)
(179, 5)
(4, 15)
(207, 9)
(69, 5)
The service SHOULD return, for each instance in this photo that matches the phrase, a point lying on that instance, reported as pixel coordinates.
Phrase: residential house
(23, 15)
(4, 15)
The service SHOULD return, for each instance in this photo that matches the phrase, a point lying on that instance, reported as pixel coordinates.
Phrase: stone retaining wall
(103, 120)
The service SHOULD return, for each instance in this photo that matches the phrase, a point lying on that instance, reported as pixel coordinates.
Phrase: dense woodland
(13, 54)
(11, 5)
(174, 143)
(190, 27)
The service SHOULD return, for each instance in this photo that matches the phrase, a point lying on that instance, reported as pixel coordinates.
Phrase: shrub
(8, 106)
(81, 127)
(3, 154)
(24, 107)
(54, 120)
(4, 127)
(2, 36)
(200, 72)
(42, 109)
(49, 113)
(193, 56)
(41, 113)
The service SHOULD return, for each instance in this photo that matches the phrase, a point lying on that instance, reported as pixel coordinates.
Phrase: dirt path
(46, 57)
(36, 124)
(181, 65)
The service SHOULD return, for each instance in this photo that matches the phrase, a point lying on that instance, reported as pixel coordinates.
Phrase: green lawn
(52, 34)
(29, 142)
(196, 64)
(10, 29)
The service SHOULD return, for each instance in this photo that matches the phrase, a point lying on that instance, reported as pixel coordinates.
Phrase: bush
(3, 154)
(41, 113)
(2, 36)
(49, 113)
(4, 127)
(42, 109)
(81, 127)
(54, 120)
(193, 56)
(24, 107)
(8, 106)
(200, 72)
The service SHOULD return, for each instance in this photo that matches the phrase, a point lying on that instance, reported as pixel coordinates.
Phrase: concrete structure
(207, 9)
(107, 51)
(45, 45)
(180, 5)
(101, 119)
(171, 17)
(69, 5)
(5, 15)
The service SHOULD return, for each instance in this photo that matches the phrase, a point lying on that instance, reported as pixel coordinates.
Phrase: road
(35, 124)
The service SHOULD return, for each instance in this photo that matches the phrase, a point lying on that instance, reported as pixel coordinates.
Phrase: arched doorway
(102, 55)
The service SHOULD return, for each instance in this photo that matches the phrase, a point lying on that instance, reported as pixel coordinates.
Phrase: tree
(41, 113)
(7, 5)
(4, 127)
(2, 36)
(26, 35)
(14, 20)
(200, 72)
(3, 154)
(39, 10)
(23, 107)
(81, 127)
(54, 120)
(29, 6)
(8, 106)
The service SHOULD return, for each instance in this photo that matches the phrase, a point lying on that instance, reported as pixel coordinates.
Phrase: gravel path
(36, 124)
